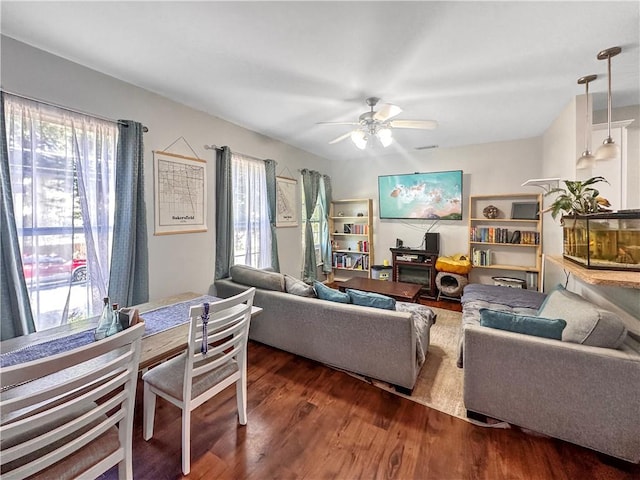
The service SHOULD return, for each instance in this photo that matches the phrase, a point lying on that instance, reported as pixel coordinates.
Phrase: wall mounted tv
(428, 196)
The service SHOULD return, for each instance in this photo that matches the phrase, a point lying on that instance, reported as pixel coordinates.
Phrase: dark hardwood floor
(308, 421)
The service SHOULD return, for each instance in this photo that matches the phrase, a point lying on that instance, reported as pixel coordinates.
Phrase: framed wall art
(180, 193)
(286, 204)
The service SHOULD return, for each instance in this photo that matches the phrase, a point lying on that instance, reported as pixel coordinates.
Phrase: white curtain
(62, 168)
(252, 230)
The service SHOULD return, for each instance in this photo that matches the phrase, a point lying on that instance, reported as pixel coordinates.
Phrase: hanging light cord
(586, 122)
(608, 96)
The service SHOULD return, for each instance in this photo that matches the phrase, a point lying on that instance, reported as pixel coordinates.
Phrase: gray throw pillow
(586, 323)
(298, 287)
(255, 277)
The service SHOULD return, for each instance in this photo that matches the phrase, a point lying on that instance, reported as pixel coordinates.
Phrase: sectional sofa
(382, 344)
(582, 386)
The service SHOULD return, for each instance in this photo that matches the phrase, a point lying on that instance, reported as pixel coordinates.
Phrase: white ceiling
(486, 71)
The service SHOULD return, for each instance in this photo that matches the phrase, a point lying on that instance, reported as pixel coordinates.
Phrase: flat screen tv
(428, 196)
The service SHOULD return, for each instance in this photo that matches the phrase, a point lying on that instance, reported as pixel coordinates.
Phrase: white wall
(561, 149)
(487, 169)
(633, 147)
(178, 263)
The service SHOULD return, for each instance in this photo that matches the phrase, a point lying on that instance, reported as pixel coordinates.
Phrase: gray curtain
(16, 318)
(325, 242)
(129, 271)
(224, 214)
(270, 167)
(311, 186)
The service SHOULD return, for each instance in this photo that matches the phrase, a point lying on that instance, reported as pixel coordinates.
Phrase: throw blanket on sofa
(423, 317)
(514, 297)
(476, 296)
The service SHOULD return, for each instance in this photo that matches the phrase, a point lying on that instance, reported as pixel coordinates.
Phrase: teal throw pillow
(586, 323)
(525, 324)
(327, 293)
(369, 299)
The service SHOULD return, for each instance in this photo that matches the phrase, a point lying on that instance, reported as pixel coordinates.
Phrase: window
(251, 227)
(62, 169)
(316, 223)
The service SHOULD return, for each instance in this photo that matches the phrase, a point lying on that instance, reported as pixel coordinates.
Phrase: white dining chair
(70, 415)
(216, 357)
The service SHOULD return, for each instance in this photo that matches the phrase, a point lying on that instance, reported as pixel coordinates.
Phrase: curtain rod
(119, 122)
(216, 147)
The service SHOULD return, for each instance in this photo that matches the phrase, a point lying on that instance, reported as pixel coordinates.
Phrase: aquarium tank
(606, 241)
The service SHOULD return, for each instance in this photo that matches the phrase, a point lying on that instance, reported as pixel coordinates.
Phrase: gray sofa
(581, 393)
(382, 344)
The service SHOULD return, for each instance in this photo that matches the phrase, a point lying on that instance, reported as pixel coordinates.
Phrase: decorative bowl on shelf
(490, 212)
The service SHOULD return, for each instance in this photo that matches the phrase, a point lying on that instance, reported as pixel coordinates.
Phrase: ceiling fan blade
(421, 124)
(386, 112)
(337, 123)
(340, 138)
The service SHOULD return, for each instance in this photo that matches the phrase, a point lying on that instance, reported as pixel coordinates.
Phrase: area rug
(439, 384)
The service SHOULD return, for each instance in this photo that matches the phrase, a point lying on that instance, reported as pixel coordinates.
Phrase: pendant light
(587, 160)
(608, 150)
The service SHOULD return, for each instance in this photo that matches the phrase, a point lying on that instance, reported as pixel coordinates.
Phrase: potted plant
(578, 198)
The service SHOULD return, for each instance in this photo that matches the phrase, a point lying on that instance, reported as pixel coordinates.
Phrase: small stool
(450, 285)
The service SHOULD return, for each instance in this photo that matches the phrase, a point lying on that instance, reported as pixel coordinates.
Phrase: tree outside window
(62, 170)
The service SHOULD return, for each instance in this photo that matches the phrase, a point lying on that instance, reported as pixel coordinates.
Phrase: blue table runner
(156, 321)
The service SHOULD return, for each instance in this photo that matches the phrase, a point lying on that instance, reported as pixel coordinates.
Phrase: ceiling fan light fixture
(608, 150)
(385, 136)
(377, 126)
(359, 138)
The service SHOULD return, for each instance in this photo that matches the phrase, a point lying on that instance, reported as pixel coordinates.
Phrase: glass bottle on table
(106, 319)
(115, 325)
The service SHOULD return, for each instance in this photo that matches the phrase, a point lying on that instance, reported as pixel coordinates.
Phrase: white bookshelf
(492, 250)
(351, 234)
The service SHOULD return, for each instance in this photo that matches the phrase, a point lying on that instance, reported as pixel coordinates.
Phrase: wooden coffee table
(402, 291)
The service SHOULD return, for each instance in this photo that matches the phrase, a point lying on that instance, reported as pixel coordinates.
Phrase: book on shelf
(355, 229)
(352, 260)
(481, 258)
(503, 235)
(362, 246)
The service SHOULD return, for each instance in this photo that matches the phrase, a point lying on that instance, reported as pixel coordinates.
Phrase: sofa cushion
(255, 277)
(296, 286)
(586, 323)
(526, 324)
(370, 299)
(327, 293)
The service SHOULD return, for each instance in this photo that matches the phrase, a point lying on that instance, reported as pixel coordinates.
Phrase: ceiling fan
(378, 124)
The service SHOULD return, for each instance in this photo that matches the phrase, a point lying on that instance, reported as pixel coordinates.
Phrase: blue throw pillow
(369, 299)
(528, 325)
(327, 293)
